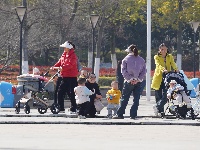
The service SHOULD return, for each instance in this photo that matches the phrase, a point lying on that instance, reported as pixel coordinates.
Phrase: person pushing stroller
(177, 92)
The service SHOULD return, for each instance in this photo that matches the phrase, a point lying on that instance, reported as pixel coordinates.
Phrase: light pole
(195, 26)
(20, 11)
(93, 19)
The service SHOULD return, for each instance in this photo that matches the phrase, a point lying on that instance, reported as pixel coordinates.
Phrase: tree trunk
(98, 48)
(46, 57)
(113, 54)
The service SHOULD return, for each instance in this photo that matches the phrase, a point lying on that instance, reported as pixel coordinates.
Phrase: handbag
(98, 105)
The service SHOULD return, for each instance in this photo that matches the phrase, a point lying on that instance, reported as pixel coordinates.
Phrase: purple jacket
(133, 67)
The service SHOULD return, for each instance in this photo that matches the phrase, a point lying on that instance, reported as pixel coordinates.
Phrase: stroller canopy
(177, 76)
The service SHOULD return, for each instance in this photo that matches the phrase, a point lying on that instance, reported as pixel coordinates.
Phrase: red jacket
(68, 62)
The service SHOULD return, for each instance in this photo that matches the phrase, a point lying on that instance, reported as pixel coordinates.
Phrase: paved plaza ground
(98, 137)
(145, 117)
(65, 131)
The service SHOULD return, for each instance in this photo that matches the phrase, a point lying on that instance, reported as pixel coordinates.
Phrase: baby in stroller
(177, 90)
(36, 88)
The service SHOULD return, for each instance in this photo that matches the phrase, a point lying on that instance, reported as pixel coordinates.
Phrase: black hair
(134, 49)
(72, 44)
(119, 62)
(162, 45)
(81, 80)
(91, 74)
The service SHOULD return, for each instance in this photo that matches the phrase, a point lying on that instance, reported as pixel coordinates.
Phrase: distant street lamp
(195, 26)
(20, 11)
(93, 19)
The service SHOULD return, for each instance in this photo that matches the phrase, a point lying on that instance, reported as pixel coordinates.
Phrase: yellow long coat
(160, 67)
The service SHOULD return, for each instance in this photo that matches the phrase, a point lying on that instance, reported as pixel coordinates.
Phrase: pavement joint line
(75, 116)
(99, 123)
(145, 116)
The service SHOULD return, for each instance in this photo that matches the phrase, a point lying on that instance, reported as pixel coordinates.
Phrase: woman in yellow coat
(164, 62)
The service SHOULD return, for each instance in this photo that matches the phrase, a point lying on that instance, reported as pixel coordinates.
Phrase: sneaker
(72, 109)
(81, 117)
(155, 110)
(72, 112)
(109, 116)
(118, 117)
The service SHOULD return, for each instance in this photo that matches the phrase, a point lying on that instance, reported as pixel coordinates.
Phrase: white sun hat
(129, 50)
(67, 45)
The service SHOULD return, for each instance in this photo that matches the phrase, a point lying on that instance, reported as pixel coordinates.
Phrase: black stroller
(172, 108)
(37, 89)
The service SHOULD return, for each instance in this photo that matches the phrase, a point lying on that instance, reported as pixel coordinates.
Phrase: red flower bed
(11, 73)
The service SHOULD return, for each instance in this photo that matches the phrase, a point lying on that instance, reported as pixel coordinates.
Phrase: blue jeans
(126, 93)
(142, 86)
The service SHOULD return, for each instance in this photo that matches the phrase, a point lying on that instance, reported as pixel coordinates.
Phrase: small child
(36, 73)
(113, 96)
(82, 97)
(180, 95)
(93, 86)
(84, 74)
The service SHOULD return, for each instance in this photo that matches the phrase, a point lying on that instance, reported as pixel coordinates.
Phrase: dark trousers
(58, 82)
(126, 93)
(142, 86)
(120, 83)
(91, 110)
(82, 108)
(67, 86)
(161, 97)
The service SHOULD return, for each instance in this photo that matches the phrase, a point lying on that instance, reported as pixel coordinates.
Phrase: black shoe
(133, 118)
(72, 109)
(62, 111)
(118, 117)
(91, 116)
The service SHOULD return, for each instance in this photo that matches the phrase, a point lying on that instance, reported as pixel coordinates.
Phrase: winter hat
(67, 45)
(173, 81)
(35, 70)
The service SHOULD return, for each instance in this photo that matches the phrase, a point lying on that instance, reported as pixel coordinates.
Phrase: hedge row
(105, 81)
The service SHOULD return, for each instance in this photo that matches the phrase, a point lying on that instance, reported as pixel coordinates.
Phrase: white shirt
(82, 94)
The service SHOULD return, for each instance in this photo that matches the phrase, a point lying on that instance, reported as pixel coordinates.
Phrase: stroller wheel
(55, 108)
(27, 109)
(17, 109)
(192, 113)
(42, 110)
(162, 115)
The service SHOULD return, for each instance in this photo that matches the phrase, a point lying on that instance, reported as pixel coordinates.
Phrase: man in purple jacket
(133, 69)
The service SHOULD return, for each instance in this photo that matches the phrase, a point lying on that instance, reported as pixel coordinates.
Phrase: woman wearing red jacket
(69, 72)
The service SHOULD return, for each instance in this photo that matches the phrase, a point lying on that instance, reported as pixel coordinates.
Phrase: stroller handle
(58, 72)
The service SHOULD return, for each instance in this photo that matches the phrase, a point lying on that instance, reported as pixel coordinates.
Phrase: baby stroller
(37, 88)
(172, 108)
(196, 105)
